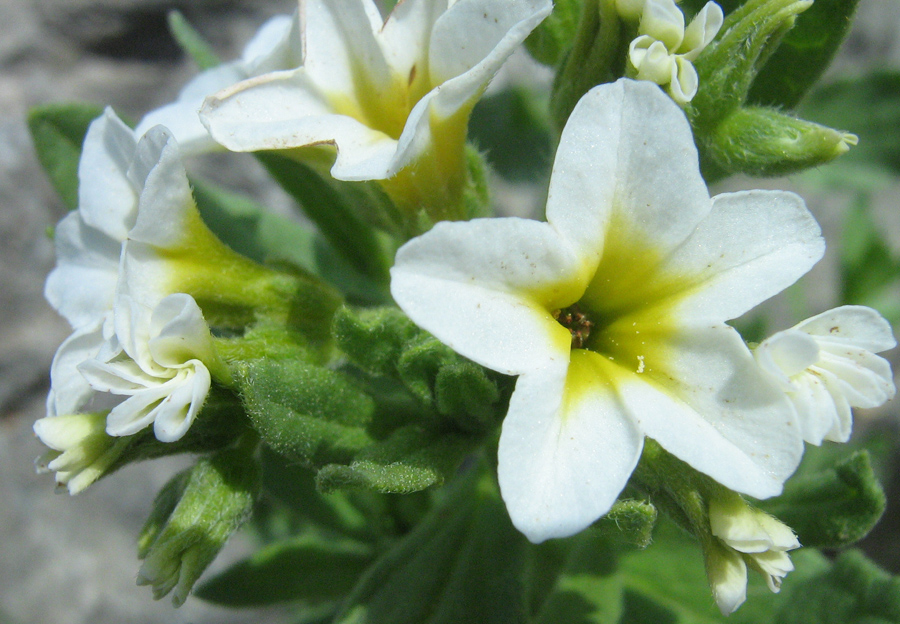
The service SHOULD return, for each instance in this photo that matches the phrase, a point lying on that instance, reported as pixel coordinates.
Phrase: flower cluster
(598, 340)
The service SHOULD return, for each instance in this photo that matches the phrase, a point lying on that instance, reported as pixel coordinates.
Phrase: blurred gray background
(71, 560)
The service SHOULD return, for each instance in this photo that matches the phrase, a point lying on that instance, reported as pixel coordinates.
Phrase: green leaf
(249, 229)
(552, 38)
(336, 208)
(629, 522)
(411, 459)
(853, 591)
(308, 568)
(373, 338)
(57, 131)
(311, 414)
(870, 108)
(192, 42)
(460, 564)
(587, 590)
(514, 128)
(833, 508)
(805, 53)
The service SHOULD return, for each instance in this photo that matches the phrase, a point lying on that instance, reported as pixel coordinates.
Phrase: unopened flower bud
(193, 517)
(762, 141)
(80, 451)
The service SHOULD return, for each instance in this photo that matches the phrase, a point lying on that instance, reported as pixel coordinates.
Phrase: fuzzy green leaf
(191, 41)
(308, 569)
(804, 54)
(460, 564)
(57, 131)
(833, 508)
(311, 414)
(373, 339)
(411, 459)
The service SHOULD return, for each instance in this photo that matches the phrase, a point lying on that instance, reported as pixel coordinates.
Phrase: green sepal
(191, 42)
(804, 54)
(460, 564)
(193, 517)
(308, 569)
(853, 591)
(764, 142)
(308, 413)
(629, 522)
(834, 508)
(344, 212)
(553, 37)
(728, 66)
(411, 459)
(57, 132)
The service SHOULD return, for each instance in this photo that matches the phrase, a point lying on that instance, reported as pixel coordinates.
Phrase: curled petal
(701, 31)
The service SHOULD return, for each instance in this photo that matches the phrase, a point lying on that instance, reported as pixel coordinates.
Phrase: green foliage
(513, 127)
(835, 507)
(337, 209)
(192, 42)
(384, 342)
(311, 414)
(308, 568)
(852, 591)
(804, 54)
(57, 131)
(413, 458)
(460, 564)
(553, 37)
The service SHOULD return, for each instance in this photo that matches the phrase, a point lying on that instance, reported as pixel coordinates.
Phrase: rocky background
(72, 560)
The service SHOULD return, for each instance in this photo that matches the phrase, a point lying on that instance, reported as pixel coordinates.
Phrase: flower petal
(179, 332)
(607, 170)
(107, 199)
(485, 288)
(470, 42)
(83, 284)
(753, 245)
(701, 31)
(69, 389)
(708, 404)
(856, 326)
(179, 409)
(566, 450)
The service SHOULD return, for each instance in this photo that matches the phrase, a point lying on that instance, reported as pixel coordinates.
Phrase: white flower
(156, 359)
(827, 365)
(750, 537)
(276, 46)
(664, 49)
(118, 264)
(80, 451)
(381, 91)
(89, 240)
(613, 314)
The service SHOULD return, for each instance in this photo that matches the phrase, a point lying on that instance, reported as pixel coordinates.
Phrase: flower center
(577, 322)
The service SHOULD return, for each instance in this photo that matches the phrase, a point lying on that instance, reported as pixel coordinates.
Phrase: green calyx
(193, 516)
